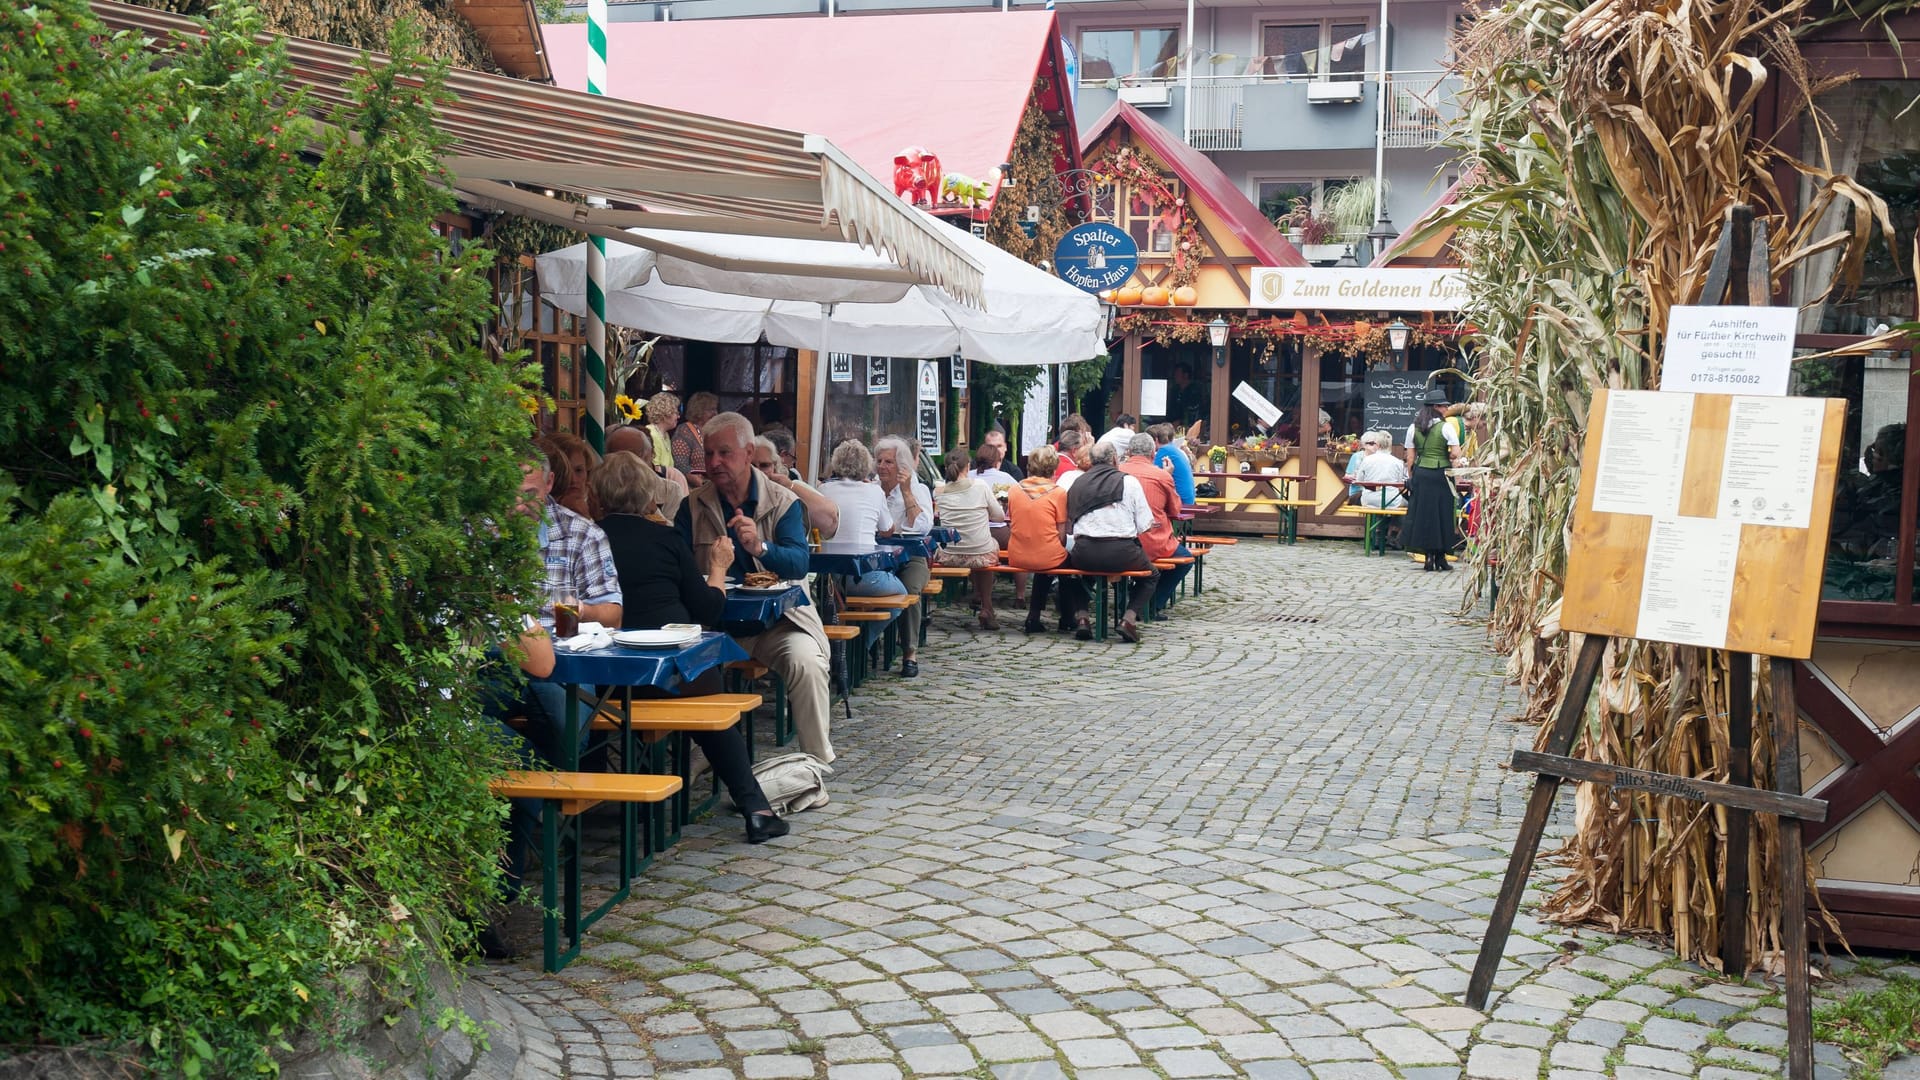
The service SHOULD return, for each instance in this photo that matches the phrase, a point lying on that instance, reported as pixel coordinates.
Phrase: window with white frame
(1120, 52)
(1330, 49)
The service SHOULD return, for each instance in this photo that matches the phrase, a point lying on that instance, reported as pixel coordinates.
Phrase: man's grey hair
(1141, 445)
(782, 441)
(903, 452)
(1385, 437)
(741, 427)
(761, 442)
(851, 461)
(1104, 451)
(1070, 440)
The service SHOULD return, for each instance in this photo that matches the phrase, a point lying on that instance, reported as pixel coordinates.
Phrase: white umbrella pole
(820, 366)
(593, 401)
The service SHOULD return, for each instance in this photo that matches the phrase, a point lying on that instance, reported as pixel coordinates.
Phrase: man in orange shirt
(1164, 500)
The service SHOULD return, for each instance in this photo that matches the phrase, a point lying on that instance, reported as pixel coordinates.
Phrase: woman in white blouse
(864, 517)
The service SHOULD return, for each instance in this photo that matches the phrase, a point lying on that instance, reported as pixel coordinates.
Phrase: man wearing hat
(1432, 446)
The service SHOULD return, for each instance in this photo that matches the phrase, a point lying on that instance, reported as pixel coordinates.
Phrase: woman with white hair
(910, 505)
(863, 515)
(1378, 467)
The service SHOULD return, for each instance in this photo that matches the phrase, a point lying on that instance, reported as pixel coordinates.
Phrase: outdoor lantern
(1397, 333)
(1217, 337)
(1110, 313)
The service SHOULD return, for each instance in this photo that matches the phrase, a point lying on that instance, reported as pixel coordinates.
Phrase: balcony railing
(1421, 107)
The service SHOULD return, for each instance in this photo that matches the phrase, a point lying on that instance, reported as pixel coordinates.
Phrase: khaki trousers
(914, 576)
(795, 656)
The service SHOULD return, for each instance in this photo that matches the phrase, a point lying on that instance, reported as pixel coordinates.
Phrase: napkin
(585, 640)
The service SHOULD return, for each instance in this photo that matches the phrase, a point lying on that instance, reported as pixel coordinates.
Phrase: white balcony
(1266, 112)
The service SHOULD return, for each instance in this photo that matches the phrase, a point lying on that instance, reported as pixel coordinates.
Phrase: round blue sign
(1095, 257)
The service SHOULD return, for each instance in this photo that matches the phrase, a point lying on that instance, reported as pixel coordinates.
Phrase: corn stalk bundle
(440, 33)
(1605, 146)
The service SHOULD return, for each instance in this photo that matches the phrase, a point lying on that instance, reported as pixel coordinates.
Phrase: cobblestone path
(1263, 843)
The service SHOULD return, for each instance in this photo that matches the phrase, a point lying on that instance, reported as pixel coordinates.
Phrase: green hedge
(256, 480)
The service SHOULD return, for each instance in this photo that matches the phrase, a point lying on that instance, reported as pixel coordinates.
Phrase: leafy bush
(256, 483)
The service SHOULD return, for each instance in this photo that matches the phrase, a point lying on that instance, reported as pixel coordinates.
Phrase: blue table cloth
(849, 560)
(914, 544)
(747, 614)
(667, 669)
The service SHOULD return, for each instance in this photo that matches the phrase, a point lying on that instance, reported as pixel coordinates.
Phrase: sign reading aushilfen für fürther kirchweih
(1095, 257)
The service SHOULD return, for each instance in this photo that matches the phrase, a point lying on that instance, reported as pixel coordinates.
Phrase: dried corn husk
(1606, 144)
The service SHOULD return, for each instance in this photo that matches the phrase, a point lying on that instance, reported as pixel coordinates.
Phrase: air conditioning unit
(1147, 95)
(1328, 93)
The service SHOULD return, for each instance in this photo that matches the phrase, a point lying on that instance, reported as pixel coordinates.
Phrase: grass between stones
(1873, 1025)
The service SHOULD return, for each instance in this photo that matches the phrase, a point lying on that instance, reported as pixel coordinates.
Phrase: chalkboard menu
(1392, 399)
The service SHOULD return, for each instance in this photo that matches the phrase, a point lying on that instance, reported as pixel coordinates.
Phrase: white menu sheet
(1257, 404)
(1643, 451)
(1686, 589)
(1773, 459)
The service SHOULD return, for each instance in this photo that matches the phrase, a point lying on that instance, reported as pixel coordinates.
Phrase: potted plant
(1315, 233)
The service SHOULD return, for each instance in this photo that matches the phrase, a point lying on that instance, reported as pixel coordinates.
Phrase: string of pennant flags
(1309, 60)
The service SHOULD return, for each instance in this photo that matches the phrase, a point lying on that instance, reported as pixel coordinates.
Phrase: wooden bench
(744, 673)
(1214, 541)
(1116, 582)
(1374, 535)
(1288, 511)
(865, 620)
(896, 604)
(567, 795)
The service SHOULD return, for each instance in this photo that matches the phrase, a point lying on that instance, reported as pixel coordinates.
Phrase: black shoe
(1130, 628)
(909, 668)
(1034, 626)
(1441, 564)
(764, 827)
(1083, 628)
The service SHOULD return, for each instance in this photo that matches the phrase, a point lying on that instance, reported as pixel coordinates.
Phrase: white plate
(655, 639)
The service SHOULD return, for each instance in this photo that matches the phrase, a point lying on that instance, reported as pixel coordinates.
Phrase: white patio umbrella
(831, 297)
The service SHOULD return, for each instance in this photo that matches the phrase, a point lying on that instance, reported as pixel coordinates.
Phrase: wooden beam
(1798, 807)
(1206, 235)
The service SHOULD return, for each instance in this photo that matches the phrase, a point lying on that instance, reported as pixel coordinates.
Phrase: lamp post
(1380, 237)
(1217, 337)
(1397, 334)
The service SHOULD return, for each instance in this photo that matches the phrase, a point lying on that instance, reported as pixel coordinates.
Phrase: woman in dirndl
(1432, 446)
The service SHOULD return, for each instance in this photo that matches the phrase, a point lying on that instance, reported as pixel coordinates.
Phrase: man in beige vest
(768, 527)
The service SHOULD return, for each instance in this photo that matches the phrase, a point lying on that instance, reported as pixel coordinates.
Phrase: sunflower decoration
(626, 406)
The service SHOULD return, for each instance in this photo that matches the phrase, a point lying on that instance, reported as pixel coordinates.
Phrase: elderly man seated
(767, 525)
(1107, 513)
(1163, 499)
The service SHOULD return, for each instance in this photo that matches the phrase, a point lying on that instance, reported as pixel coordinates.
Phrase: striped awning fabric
(516, 142)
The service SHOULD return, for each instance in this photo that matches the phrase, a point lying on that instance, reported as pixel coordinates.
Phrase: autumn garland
(1126, 170)
(1370, 338)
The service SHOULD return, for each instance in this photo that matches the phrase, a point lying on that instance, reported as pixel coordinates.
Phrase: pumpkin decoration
(1127, 295)
(1186, 296)
(1155, 296)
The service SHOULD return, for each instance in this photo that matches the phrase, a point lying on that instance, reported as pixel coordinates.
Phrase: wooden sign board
(1702, 519)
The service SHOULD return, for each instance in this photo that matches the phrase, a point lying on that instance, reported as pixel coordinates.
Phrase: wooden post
(1793, 873)
(1566, 725)
(1733, 915)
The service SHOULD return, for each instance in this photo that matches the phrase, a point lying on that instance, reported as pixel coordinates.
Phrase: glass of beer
(566, 617)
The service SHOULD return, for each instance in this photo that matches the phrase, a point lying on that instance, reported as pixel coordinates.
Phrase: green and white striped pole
(593, 414)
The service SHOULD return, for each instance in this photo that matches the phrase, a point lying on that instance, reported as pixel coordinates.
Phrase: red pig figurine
(916, 176)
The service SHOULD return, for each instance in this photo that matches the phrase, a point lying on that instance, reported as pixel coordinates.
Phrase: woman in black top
(660, 583)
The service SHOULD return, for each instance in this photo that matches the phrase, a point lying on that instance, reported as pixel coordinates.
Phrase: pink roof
(954, 83)
(1215, 189)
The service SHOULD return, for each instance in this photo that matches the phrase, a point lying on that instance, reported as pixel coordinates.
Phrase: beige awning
(516, 141)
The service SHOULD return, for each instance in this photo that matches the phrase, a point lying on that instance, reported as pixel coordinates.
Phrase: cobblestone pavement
(1263, 843)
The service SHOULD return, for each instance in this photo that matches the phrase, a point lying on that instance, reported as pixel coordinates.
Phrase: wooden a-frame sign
(1728, 553)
